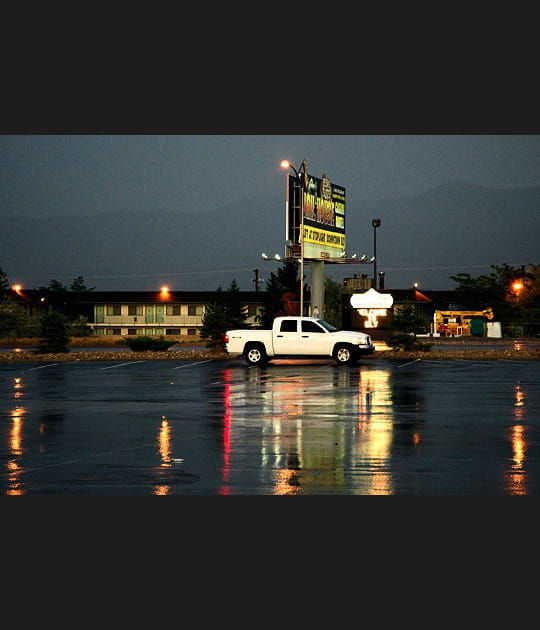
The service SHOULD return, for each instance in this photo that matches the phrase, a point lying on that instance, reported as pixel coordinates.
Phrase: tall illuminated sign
(323, 206)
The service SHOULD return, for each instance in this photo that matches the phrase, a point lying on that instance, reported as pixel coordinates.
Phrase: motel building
(126, 313)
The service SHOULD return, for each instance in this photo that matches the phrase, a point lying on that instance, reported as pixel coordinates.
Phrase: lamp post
(301, 182)
(375, 223)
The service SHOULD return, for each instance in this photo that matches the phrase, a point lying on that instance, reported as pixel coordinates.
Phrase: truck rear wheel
(344, 355)
(255, 354)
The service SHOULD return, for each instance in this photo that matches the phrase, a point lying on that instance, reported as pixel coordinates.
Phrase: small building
(358, 283)
(425, 303)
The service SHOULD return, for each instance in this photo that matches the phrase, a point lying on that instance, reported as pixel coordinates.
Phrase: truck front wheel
(344, 355)
(255, 354)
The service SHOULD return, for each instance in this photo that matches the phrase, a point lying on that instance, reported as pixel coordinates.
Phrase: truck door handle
(305, 336)
(279, 335)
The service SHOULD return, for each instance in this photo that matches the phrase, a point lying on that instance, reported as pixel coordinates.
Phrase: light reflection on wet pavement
(452, 427)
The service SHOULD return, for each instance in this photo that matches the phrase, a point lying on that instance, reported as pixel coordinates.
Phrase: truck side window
(311, 327)
(288, 325)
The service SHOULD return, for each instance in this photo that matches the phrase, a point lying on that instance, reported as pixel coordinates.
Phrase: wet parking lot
(205, 427)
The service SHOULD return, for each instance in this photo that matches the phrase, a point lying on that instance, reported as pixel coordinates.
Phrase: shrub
(407, 342)
(145, 343)
(53, 334)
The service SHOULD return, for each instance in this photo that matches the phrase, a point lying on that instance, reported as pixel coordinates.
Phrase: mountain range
(424, 238)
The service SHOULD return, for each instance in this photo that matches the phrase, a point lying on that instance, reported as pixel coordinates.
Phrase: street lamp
(302, 184)
(516, 289)
(375, 223)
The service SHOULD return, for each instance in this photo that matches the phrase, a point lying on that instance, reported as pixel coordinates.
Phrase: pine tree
(282, 291)
(333, 292)
(224, 313)
(79, 285)
(214, 321)
(235, 313)
(53, 334)
(406, 324)
(4, 283)
(14, 322)
(55, 286)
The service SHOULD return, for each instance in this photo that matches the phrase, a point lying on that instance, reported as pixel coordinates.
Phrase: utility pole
(256, 279)
(375, 223)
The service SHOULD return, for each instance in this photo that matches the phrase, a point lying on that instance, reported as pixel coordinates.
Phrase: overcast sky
(55, 175)
(45, 175)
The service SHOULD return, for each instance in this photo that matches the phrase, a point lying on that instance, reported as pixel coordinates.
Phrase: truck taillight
(225, 338)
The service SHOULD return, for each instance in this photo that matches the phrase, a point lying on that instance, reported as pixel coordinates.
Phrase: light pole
(256, 279)
(375, 223)
(301, 182)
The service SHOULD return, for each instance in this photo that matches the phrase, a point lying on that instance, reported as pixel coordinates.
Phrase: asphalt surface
(383, 427)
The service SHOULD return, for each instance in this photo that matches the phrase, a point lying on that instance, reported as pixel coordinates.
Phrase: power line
(448, 267)
(143, 275)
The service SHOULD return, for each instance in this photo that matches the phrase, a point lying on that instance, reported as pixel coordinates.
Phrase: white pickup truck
(298, 337)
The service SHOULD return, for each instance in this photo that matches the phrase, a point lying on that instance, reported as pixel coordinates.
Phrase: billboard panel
(323, 205)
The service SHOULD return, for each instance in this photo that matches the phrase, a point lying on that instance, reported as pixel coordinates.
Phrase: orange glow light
(17, 288)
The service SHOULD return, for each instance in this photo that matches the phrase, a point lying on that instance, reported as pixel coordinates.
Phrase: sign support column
(317, 286)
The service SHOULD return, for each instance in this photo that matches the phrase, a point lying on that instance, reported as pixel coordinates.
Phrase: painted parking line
(409, 363)
(109, 367)
(179, 367)
(42, 366)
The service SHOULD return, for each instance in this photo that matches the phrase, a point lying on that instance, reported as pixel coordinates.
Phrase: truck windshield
(326, 325)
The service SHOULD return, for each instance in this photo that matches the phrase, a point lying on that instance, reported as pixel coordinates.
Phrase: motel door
(154, 314)
(100, 314)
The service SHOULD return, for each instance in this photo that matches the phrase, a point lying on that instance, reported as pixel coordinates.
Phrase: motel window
(192, 332)
(113, 331)
(172, 331)
(135, 309)
(252, 310)
(113, 309)
(195, 309)
(172, 309)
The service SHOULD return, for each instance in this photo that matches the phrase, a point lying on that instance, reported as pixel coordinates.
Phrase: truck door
(314, 339)
(287, 338)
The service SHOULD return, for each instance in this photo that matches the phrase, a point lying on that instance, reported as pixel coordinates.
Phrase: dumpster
(477, 326)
